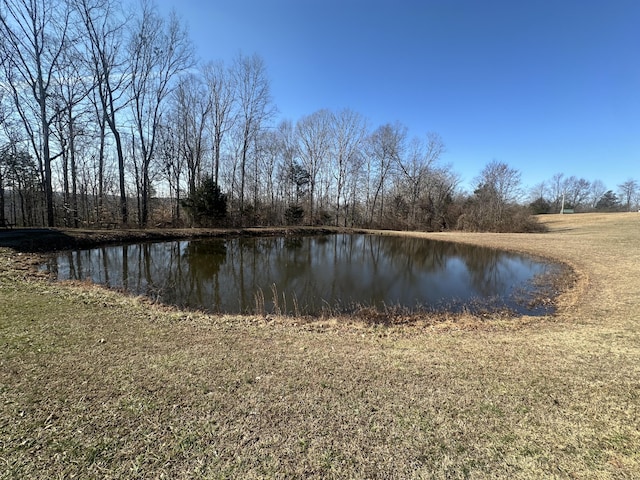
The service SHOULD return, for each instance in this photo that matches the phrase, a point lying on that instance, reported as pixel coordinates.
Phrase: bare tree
(270, 152)
(348, 133)
(629, 192)
(596, 191)
(438, 197)
(417, 166)
(172, 161)
(313, 134)
(539, 190)
(353, 189)
(576, 191)
(191, 107)
(556, 187)
(34, 34)
(504, 180)
(69, 92)
(104, 27)
(4, 150)
(384, 149)
(253, 110)
(497, 189)
(287, 186)
(160, 51)
(221, 115)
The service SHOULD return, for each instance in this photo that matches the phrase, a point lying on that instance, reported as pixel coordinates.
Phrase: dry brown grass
(98, 385)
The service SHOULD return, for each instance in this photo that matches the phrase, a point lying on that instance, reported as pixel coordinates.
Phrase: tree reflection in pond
(342, 272)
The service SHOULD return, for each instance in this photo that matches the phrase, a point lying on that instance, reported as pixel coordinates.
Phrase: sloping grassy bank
(94, 384)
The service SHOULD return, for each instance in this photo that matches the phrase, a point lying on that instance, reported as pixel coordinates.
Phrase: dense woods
(106, 118)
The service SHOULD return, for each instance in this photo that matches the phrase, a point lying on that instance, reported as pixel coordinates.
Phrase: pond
(315, 274)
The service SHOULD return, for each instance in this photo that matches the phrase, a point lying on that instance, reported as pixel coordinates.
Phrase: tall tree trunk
(74, 175)
(46, 156)
(101, 168)
(110, 118)
(124, 211)
(2, 217)
(243, 168)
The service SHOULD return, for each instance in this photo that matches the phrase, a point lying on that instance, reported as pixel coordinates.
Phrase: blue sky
(544, 86)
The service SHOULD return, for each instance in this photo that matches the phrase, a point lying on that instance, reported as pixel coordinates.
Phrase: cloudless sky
(546, 86)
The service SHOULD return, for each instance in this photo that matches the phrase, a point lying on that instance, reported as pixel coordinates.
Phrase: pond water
(313, 274)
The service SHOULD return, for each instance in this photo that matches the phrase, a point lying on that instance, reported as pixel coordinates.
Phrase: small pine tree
(207, 205)
(293, 215)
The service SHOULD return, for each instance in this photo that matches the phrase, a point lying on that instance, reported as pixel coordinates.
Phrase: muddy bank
(53, 239)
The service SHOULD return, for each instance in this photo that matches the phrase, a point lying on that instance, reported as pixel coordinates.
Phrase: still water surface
(309, 275)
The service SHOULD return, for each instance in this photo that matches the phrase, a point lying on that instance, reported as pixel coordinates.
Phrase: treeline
(106, 118)
(562, 193)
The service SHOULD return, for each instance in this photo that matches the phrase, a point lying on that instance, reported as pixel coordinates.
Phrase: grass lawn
(94, 384)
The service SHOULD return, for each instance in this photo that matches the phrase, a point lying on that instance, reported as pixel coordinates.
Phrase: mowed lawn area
(95, 384)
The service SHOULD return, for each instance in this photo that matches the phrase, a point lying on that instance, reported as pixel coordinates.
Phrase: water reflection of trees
(494, 271)
(490, 271)
(196, 275)
(223, 275)
(205, 257)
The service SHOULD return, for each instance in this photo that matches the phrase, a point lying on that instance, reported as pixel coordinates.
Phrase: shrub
(514, 219)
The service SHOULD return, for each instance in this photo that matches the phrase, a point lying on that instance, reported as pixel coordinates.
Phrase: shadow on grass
(36, 239)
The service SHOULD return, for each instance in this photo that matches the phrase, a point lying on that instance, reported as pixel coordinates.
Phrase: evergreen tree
(207, 205)
(540, 205)
(608, 202)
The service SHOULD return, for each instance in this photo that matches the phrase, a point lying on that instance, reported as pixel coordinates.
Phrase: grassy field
(94, 384)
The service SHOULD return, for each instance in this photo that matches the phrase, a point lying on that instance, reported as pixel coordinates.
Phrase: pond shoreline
(343, 273)
(41, 240)
(32, 244)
